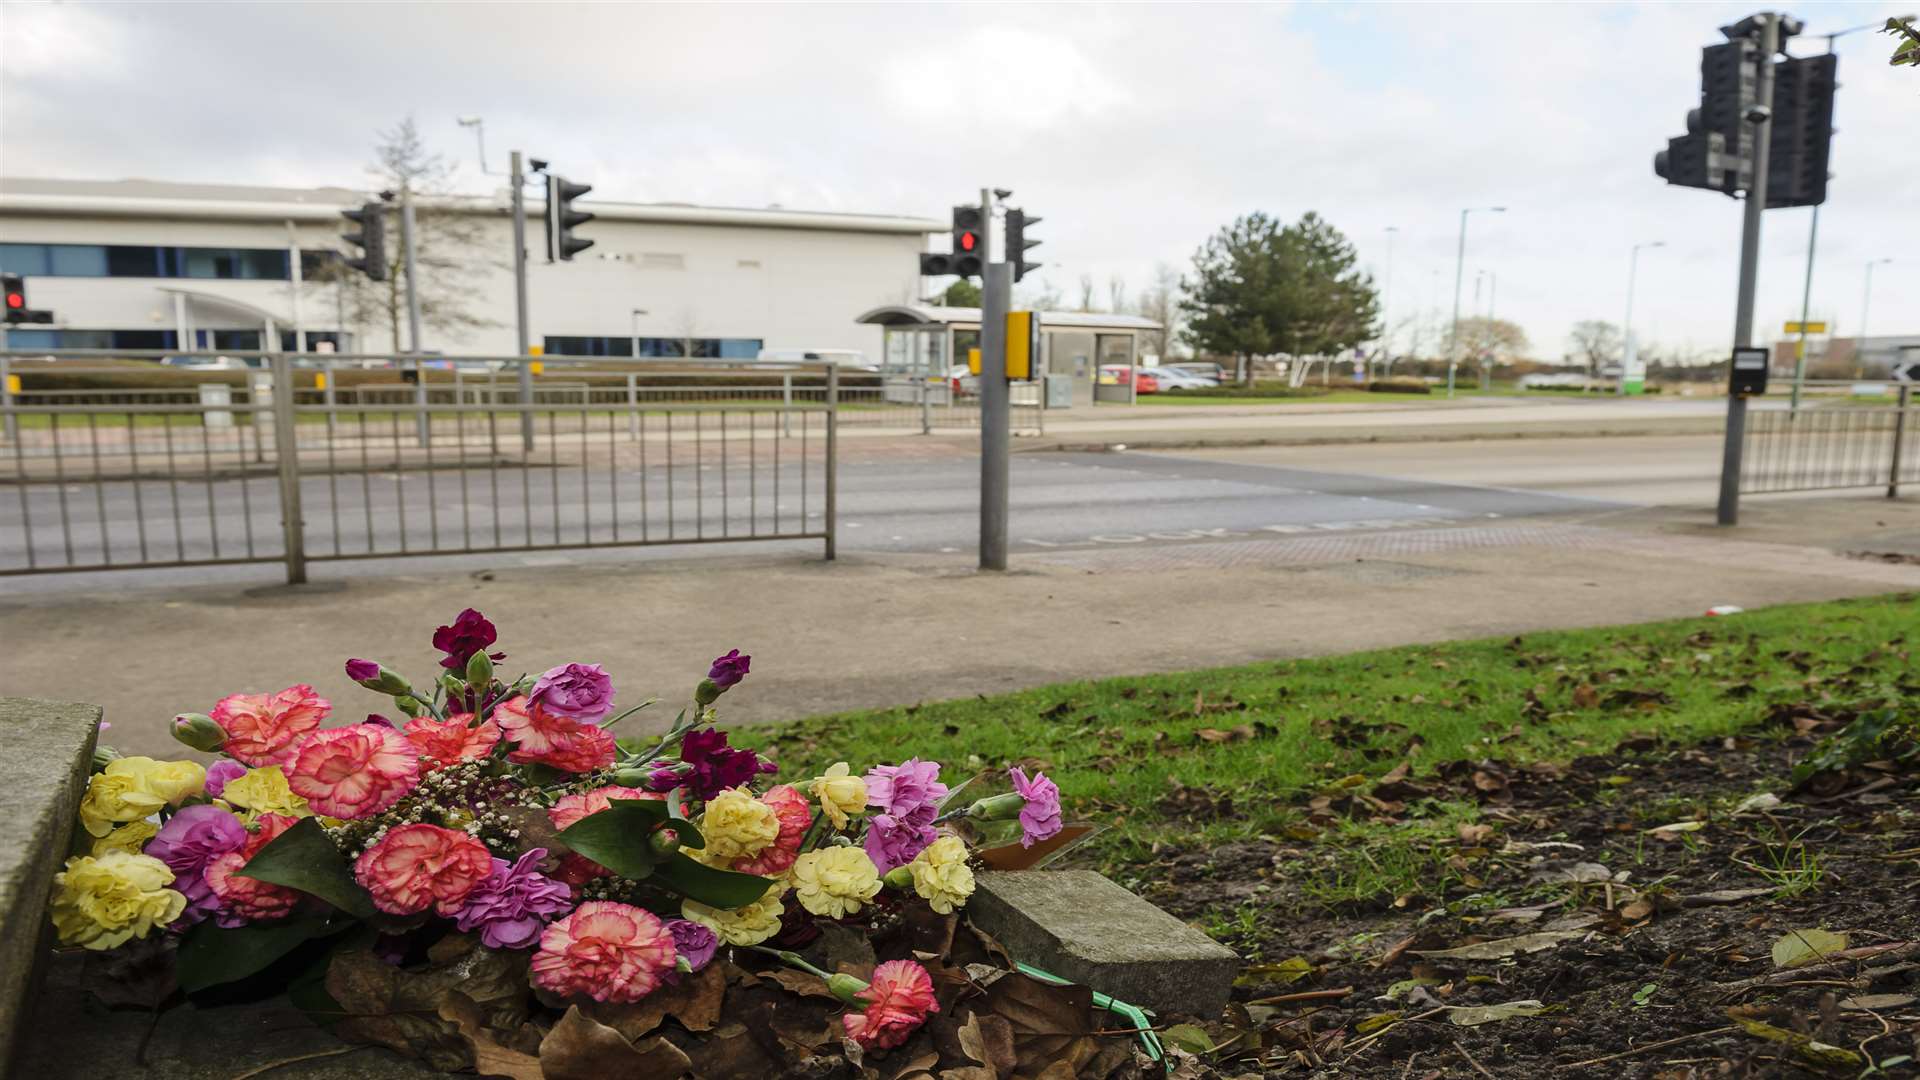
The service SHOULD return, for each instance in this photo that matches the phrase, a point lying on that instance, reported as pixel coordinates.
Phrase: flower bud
(899, 878)
(199, 731)
(707, 693)
(633, 777)
(410, 705)
(997, 807)
(453, 687)
(681, 965)
(664, 842)
(377, 678)
(480, 670)
(846, 987)
(103, 756)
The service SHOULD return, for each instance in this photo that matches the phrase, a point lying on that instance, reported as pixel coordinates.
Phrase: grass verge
(1212, 756)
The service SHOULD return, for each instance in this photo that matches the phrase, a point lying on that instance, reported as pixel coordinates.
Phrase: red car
(1118, 375)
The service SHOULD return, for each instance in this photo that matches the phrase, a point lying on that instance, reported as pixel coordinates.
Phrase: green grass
(1159, 757)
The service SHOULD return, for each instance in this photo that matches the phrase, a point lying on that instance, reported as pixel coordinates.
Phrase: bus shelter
(924, 343)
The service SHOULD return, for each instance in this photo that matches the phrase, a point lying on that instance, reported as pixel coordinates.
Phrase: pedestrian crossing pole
(996, 298)
(1768, 41)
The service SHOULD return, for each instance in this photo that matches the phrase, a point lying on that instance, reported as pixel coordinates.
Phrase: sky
(1134, 131)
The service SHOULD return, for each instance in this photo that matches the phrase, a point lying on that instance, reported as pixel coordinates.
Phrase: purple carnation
(362, 670)
(190, 840)
(893, 841)
(470, 633)
(1040, 817)
(582, 692)
(908, 791)
(695, 943)
(708, 766)
(219, 774)
(513, 904)
(728, 670)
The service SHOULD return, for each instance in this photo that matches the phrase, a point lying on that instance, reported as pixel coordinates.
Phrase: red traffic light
(16, 301)
(969, 241)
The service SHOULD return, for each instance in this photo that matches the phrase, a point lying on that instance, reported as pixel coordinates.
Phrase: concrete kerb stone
(42, 777)
(1080, 926)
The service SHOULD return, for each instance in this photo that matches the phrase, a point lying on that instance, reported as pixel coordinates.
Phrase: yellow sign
(319, 380)
(536, 350)
(13, 384)
(973, 361)
(1812, 328)
(1020, 343)
(537, 367)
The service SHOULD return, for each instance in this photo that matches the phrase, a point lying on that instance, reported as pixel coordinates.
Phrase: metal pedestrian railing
(1830, 448)
(273, 465)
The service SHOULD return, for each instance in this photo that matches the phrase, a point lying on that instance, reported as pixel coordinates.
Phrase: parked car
(207, 363)
(1143, 379)
(1204, 369)
(1174, 380)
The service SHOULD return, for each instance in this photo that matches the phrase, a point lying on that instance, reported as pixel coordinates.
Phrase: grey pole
(413, 313)
(1627, 351)
(996, 296)
(286, 449)
(1459, 268)
(1756, 204)
(1806, 298)
(832, 492)
(515, 182)
(1386, 300)
(1866, 302)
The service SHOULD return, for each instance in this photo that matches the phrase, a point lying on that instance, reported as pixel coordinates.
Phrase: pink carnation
(794, 813)
(354, 772)
(569, 809)
(263, 728)
(448, 742)
(898, 1001)
(545, 738)
(244, 899)
(418, 866)
(605, 950)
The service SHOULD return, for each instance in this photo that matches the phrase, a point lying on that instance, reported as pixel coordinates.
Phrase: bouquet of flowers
(499, 833)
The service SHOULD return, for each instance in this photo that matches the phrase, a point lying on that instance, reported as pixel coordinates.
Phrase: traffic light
(1716, 153)
(16, 290)
(969, 247)
(370, 236)
(1017, 242)
(1802, 136)
(562, 218)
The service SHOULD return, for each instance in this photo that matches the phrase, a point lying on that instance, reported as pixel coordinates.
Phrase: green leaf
(1189, 1037)
(211, 955)
(617, 837)
(303, 858)
(661, 812)
(714, 888)
(1799, 947)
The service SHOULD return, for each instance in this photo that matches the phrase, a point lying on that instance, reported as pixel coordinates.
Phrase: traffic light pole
(516, 182)
(413, 313)
(996, 297)
(1756, 204)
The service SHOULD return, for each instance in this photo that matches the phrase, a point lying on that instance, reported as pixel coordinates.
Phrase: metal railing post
(1899, 437)
(6, 397)
(833, 457)
(926, 403)
(633, 406)
(786, 404)
(286, 447)
(329, 375)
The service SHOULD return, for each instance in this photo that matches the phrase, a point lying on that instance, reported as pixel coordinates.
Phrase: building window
(315, 339)
(656, 347)
(91, 339)
(124, 260)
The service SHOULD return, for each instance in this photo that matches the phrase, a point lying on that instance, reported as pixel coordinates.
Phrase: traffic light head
(562, 218)
(370, 236)
(969, 242)
(16, 291)
(1018, 242)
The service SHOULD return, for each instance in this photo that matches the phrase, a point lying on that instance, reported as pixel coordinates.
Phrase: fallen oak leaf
(489, 1057)
(1797, 948)
(1475, 1015)
(581, 1048)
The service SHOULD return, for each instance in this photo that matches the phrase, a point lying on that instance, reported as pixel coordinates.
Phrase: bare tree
(1488, 342)
(1116, 294)
(1043, 295)
(1596, 343)
(1161, 303)
(447, 243)
(1086, 292)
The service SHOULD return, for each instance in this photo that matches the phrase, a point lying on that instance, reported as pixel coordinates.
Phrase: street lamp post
(1386, 298)
(1866, 301)
(637, 312)
(1626, 328)
(1459, 271)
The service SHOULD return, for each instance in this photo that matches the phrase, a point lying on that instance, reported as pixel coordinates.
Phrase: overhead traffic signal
(1716, 153)
(1718, 150)
(1017, 242)
(562, 218)
(370, 236)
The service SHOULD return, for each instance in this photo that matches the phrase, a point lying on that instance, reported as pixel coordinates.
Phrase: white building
(138, 264)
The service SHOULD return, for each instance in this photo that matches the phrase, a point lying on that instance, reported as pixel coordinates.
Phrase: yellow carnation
(839, 794)
(168, 780)
(104, 901)
(736, 824)
(115, 798)
(835, 881)
(264, 791)
(129, 838)
(749, 925)
(941, 875)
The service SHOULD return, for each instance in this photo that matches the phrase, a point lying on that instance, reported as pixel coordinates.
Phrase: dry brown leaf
(695, 1001)
(489, 1057)
(581, 1048)
(400, 1009)
(1501, 948)
(1474, 835)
